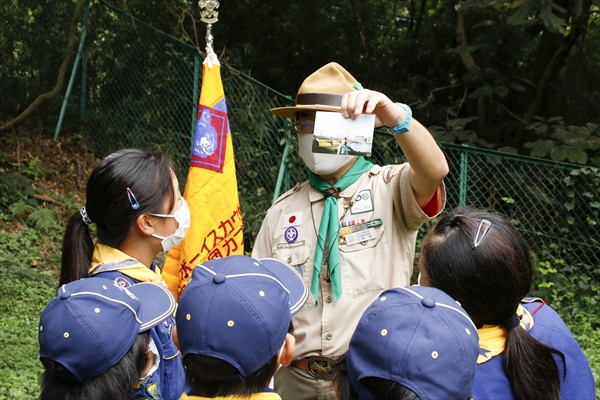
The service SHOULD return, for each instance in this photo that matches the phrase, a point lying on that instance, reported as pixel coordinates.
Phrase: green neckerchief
(330, 225)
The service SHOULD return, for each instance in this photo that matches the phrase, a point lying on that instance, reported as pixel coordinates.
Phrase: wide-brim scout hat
(238, 309)
(419, 337)
(321, 91)
(92, 323)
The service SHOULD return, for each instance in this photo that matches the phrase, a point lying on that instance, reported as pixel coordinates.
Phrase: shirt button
(328, 299)
(289, 260)
(329, 336)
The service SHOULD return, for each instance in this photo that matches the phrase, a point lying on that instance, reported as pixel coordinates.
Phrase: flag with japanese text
(210, 190)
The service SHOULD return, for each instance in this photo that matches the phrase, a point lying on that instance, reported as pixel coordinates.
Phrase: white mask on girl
(320, 164)
(182, 216)
(155, 362)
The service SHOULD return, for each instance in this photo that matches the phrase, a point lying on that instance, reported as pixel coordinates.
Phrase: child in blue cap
(95, 339)
(233, 321)
(134, 202)
(411, 343)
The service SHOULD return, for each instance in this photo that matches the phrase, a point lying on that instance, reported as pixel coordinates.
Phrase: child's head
(94, 338)
(479, 259)
(122, 187)
(413, 342)
(233, 321)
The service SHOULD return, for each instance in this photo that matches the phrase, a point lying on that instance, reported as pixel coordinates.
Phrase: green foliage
(573, 286)
(42, 219)
(14, 188)
(455, 131)
(21, 209)
(22, 300)
(27, 283)
(565, 143)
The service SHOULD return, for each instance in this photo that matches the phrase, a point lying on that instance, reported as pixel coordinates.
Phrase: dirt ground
(59, 167)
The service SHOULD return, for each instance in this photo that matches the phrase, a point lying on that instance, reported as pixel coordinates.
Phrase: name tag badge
(360, 236)
(290, 245)
(363, 202)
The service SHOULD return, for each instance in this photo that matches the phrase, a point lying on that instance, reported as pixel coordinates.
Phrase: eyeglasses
(482, 230)
(304, 125)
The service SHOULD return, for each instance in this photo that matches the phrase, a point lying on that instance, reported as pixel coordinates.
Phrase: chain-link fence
(140, 87)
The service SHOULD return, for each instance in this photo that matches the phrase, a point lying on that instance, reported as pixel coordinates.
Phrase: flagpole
(209, 15)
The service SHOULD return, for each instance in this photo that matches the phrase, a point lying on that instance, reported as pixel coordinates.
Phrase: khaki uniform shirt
(367, 267)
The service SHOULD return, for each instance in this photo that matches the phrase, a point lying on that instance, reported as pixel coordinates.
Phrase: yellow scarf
(492, 338)
(107, 258)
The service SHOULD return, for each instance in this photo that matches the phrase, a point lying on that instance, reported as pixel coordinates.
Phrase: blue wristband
(403, 127)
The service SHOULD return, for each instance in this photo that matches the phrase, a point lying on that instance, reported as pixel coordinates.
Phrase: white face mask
(155, 363)
(320, 164)
(182, 216)
(419, 279)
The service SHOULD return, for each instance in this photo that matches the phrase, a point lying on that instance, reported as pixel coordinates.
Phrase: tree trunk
(61, 73)
(419, 20)
(554, 61)
(471, 66)
(361, 29)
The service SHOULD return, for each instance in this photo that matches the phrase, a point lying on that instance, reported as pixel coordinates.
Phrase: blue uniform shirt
(549, 328)
(169, 379)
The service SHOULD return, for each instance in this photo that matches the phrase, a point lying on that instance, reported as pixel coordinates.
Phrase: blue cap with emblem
(419, 337)
(92, 323)
(238, 309)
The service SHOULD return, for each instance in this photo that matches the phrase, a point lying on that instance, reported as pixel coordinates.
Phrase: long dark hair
(117, 383)
(380, 388)
(203, 374)
(147, 174)
(489, 281)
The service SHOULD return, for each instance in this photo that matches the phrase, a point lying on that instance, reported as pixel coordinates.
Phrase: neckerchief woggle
(330, 225)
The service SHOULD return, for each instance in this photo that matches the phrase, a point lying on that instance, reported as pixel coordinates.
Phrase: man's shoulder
(295, 191)
(385, 172)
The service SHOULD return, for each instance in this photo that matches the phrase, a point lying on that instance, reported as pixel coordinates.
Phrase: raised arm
(428, 166)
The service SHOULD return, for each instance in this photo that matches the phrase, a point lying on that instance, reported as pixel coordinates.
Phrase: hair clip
(482, 230)
(84, 216)
(135, 204)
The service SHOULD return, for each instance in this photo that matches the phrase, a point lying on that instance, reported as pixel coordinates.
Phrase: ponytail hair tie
(511, 322)
(84, 215)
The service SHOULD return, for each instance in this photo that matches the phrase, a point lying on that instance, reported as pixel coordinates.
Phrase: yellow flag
(210, 190)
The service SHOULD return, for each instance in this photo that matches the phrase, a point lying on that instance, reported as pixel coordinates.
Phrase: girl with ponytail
(133, 199)
(526, 350)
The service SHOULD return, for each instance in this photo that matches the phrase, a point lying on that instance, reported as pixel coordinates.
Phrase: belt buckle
(320, 367)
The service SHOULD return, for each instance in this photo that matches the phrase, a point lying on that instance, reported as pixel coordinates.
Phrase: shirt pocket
(299, 258)
(362, 263)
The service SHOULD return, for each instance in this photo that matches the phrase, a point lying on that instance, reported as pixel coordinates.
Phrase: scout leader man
(310, 227)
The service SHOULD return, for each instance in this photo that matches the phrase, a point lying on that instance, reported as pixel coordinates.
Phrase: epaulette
(289, 192)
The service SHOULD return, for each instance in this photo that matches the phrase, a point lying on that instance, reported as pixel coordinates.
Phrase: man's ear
(145, 223)
(287, 353)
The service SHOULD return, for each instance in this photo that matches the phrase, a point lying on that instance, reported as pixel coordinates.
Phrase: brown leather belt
(318, 367)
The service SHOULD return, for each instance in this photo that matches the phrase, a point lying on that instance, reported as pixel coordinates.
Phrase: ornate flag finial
(209, 11)
(209, 15)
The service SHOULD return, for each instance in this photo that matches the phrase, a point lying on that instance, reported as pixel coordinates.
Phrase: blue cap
(419, 337)
(238, 309)
(92, 323)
